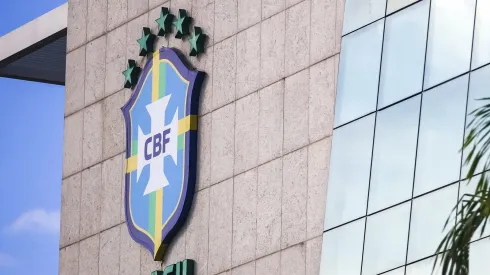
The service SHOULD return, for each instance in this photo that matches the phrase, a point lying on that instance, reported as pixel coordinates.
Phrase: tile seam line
(91, 235)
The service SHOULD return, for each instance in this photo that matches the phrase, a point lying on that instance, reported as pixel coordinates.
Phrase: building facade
(329, 134)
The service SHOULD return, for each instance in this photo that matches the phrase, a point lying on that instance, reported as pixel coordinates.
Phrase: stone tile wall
(265, 127)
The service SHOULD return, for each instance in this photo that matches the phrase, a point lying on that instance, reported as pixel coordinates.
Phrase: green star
(197, 42)
(182, 24)
(131, 74)
(164, 22)
(146, 42)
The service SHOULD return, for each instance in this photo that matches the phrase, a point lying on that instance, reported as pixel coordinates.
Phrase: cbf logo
(161, 134)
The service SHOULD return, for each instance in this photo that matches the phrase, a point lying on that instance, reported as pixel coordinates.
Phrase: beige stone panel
(90, 201)
(204, 63)
(96, 18)
(224, 72)
(109, 251)
(114, 128)
(117, 13)
(271, 122)
(203, 16)
(222, 143)
(137, 8)
(324, 38)
(92, 134)
(135, 32)
(77, 24)
(271, 7)
(249, 13)
(75, 78)
(70, 209)
(294, 195)
(322, 99)
(89, 256)
(293, 260)
(95, 70)
(290, 3)
(129, 257)
(225, 18)
(148, 265)
(318, 164)
(176, 250)
(246, 133)
(72, 144)
(204, 152)
(112, 179)
(296, 99)
(197, 232)
(220, 227)
(269, 189)
(244, 218)
(68, 262)
(269, 265)
(313, 255)
(159, 3)
(246, 269)
(298, 37)
(248, 61)
(116, 61)
(272, 43)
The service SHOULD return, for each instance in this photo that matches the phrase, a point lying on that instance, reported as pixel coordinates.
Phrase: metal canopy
(36, 51)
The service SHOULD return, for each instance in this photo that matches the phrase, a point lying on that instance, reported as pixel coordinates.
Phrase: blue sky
(31, 142)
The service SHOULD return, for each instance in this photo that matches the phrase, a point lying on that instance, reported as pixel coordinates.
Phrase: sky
(31, 142)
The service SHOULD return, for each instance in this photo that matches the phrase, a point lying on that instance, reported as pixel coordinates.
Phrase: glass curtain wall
(410, 73)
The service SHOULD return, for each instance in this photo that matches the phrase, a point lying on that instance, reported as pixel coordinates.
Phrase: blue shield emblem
(161, 150)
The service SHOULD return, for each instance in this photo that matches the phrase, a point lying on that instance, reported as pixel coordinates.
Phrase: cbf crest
(161, 149)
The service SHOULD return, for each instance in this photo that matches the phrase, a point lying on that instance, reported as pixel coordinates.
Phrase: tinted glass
(395, 145)
(358, 73)
(441, 135)
(394, 5)
(342, 249)
(469, 187)
(359, 13)
(347, 190)
(481, 44)
(479, 88)
(386, 240)
(403, 53)
(479, 252)
(450, 37)
(429, 214)
(423, 268)
(399, 271)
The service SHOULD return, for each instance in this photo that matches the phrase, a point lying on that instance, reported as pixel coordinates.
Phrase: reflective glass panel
(349, 172)
(423, 268)
(395, 144)
(450, 37)
(342, 249)
(386, 240)
(402, 68)
(479, 88)
(359, 13)
(441, 135)
(394, 5)
(469, 187)
(358, 73)
(481, 43)
(429, 214)
(479, 251)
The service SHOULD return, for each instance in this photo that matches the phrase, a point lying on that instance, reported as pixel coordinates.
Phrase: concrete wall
(264, 135)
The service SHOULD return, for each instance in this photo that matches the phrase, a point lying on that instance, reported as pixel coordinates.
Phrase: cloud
(36, 221)
(6, 260)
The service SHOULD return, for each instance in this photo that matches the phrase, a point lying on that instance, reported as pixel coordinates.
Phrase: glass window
(386, 240)
(479, 88)
(398, 271)
(358, 73)
(394, 5)
(342, 249)
(441, 135)
(349, 172)
(403, 53)
(479, 252)
(429, 214)
(481, 43)
(359, 13)
(424, 268)
(450, 38)
(395, 144)
(469, 187)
